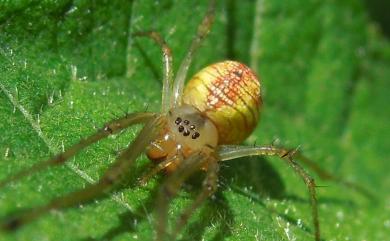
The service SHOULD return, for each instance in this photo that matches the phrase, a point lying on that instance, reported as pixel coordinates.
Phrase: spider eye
(192, 127)
(178, 120)
(186, 132)
(186, 122)
(195, 135)
(181, 128)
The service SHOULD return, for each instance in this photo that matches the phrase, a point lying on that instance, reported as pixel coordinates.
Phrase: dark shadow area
(230, 28)
(256, 179)
(255, 173)
(148, 63)
(259, 201)
(216, 210)
(379, 12)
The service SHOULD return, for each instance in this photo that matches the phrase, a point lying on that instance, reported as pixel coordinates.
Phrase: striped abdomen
(228, 93)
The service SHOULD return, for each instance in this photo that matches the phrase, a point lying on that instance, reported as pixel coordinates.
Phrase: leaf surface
(70, 66)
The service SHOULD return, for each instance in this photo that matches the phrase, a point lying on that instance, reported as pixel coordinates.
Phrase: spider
(198, 127)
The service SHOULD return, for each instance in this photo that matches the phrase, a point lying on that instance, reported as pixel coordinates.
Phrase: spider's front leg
(202, 31)
(111, 177)
(233, 152)
(172, 185)
(110, 128)
(209, 187)
(167, 69)
(173, 89)
(325, 175)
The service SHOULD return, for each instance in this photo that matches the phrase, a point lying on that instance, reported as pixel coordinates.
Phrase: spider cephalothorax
(186, 131)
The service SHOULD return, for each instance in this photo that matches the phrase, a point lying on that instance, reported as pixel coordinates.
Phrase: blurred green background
(69, 66)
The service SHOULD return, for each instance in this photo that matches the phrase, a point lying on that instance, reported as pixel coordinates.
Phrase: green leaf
(70, 66)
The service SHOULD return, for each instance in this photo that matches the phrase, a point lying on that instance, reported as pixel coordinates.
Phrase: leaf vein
(35, 125)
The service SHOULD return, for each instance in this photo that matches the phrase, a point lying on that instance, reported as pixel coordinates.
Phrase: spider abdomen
(228, 93)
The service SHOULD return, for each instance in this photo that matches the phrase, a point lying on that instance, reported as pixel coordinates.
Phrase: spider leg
(233, 152)
(167, 61)
(203, 29)
(111, 177)
(172, 185)
(208, 189)
(161, 166)
(109, 128)
(325, 175)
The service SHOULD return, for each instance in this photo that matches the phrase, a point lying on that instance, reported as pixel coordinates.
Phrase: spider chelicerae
(198, 127)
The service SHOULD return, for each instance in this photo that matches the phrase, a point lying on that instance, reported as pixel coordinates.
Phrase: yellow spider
(198, 127)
